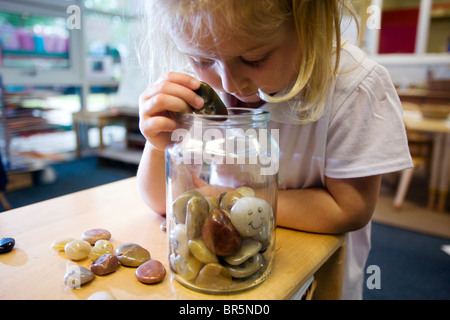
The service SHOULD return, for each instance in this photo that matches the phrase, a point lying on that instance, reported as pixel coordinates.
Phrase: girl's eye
(256, 63)
(202, 63)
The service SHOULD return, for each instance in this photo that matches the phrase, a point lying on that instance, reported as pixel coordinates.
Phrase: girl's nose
(233, 80)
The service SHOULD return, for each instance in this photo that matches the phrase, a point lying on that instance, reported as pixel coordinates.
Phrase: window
(121, 7)
(399, 22)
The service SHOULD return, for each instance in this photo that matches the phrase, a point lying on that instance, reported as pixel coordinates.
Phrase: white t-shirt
(361, 133)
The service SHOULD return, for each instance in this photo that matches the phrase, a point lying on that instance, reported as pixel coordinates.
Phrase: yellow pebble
(101, 247)
(202, 252)
(60, 244)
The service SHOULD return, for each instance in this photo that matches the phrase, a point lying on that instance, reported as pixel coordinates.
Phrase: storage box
(17, 181)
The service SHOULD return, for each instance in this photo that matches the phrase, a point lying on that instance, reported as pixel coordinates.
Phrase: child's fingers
(155, 125)
(160, 103)
(157, 130)
(183, 79)
(169, 86)
(173, 93)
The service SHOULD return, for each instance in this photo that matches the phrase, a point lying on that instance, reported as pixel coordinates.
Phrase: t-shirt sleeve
(366, 134)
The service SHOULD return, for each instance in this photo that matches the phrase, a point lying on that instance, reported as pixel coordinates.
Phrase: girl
(338, 115)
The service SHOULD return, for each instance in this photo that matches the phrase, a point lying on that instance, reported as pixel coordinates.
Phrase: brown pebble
(106, 263)
(132, 254)
(93, 235)
(219, 234)
(151, 271)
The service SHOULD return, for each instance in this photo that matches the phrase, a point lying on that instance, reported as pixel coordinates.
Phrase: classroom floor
(414, 214)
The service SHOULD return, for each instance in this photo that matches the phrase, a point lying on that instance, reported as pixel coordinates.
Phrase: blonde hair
(317, 23)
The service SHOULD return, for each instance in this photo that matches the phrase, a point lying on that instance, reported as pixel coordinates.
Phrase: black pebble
(6, 245)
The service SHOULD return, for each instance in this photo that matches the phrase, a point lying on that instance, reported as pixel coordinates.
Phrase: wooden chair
(420, 146)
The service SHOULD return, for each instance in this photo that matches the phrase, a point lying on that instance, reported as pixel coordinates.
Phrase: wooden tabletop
(414, 120)
(35, 271)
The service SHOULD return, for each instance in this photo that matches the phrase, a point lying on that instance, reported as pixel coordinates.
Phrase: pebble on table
(6, 245)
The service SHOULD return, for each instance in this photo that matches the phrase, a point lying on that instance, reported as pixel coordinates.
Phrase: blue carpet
(70, 177)
(412, 265)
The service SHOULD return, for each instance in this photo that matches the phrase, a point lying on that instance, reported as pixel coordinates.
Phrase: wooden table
(98, 119)
(35, 271)
(129, 152)
(440, 174)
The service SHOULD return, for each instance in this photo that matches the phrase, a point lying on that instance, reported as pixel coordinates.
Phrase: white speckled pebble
(250, 216)
(77, 276)
(179, 240)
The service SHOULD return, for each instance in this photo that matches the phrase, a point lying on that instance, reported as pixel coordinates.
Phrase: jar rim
(235, 115)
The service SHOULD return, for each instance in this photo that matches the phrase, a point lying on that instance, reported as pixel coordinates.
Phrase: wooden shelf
(34, 54)
(17, 120)
(121, 154)
(128, 152)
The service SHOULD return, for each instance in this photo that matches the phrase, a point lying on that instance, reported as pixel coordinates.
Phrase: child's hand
(172, 93)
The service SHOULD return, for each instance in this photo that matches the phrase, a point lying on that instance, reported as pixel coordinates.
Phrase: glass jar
(221, 192)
